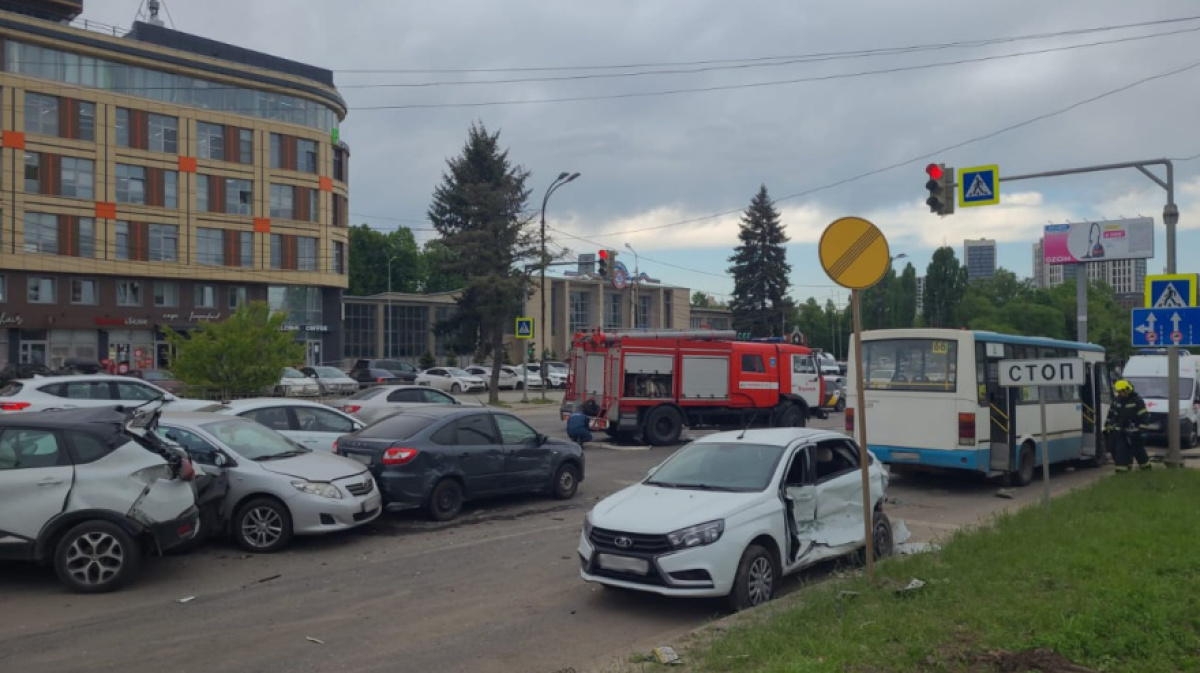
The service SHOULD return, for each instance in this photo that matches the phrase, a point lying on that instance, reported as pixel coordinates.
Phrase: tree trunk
(497, 356)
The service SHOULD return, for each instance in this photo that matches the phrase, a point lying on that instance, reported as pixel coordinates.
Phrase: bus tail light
(966, 429)
(849, 419)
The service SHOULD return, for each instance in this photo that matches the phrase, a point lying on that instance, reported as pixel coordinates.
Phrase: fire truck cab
(651, 384)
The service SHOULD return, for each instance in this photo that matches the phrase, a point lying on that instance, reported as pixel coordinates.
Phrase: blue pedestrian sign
(1176, 290)
(979, 186)
(524, 328)
(1166, 326)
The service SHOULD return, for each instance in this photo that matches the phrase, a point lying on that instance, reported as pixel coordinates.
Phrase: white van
(1148, 374)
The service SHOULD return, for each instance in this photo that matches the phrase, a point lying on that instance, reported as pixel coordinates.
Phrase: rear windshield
(924, 365)
(366, 394)
(396, 427)
(10, 389)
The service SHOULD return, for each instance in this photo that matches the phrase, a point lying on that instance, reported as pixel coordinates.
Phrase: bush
(427, 360)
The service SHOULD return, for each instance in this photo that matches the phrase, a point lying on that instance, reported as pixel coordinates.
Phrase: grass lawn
(1108, 581)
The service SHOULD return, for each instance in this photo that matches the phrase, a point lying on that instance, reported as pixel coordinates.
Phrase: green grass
(1110, 579)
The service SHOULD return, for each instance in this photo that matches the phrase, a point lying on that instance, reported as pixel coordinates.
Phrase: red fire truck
(653, 383)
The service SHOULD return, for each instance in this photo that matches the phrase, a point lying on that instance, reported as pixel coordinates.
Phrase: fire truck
(651, 384)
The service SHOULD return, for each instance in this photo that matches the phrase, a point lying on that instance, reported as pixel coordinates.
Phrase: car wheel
(1193, 436)
(882, 541)
(841, 405)
(456, 388)
(446, 501)
(662, 426)
(263, 526)
(791, 416)
(1025, 465)
(518, 385)
(95, 557)
(756, 580)
(566, 482)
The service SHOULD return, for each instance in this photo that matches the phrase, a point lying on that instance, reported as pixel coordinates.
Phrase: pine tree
(478, 210)
(760, 271)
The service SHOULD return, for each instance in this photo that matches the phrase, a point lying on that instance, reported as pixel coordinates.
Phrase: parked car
(331, 380)
(383, 372)
(731, 513)
(528, 376)
(159, 377)
(372, 404)
(315, 425)
(451, 379)
(85, 491)
(553, 377)
(557, 372)
(277, 488)
(99, 390)
(293, 383)
(508, 376)
(441, 456)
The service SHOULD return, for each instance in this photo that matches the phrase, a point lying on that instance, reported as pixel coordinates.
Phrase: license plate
(371, 504)
(623, 564)
(362, 458)
(905, 455)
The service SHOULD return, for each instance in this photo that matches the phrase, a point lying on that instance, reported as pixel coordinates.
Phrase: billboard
(1099, 241)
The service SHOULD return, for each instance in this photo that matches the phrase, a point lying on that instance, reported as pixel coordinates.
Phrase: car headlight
(321, 488)
(587, 526)
(697, 536)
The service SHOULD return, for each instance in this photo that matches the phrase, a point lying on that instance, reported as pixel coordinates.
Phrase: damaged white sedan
(732, 513)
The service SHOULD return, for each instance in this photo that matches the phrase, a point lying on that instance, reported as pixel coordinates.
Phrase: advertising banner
(1080, 242)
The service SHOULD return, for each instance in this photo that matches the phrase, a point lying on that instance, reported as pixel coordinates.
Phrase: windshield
(719, 466)
(329, 373)
(253, 441)
(1156, 387)
(289, 373)
(920, 365)
(455, 371)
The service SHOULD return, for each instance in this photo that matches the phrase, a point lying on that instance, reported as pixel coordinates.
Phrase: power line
(770, 83)
(757, 59)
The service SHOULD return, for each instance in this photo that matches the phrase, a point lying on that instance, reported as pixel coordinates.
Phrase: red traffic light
(934, 171)
(603, 254)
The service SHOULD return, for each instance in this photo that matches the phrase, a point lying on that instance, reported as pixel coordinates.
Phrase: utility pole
(562, 179)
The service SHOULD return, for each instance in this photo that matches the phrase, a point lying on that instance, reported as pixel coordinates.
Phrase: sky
(835, 107)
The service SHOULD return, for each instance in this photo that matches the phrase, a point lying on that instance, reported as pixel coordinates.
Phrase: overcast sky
(656, 160)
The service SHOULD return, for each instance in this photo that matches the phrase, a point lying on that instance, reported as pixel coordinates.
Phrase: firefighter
(578, 422)
(1126, 424)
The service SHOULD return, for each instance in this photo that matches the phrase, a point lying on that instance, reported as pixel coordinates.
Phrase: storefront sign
(304, 328)
(6, 319)
(200, 317)
(167, 317)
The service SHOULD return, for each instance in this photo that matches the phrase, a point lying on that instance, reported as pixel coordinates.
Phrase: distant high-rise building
(1125, 276)
(979, 256)
(920, 296)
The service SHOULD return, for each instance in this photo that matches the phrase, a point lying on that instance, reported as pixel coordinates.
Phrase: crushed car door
(839, 495)
(800, 505)
(35, 481)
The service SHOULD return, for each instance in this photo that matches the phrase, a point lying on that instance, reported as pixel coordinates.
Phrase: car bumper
(403, 490)
(314, 515)
(171, 534)
(698, 572)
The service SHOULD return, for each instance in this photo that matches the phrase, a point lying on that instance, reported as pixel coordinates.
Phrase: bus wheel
(663, 426)
(1025, 465)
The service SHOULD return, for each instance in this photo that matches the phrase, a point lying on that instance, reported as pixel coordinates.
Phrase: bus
(934, 400)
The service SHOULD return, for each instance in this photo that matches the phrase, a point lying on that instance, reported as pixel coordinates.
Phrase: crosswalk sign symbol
(1170, 298)
(1175, 290)
(979, 186)
(524, 328)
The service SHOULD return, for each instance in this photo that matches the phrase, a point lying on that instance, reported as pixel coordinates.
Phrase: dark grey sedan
(441, 456)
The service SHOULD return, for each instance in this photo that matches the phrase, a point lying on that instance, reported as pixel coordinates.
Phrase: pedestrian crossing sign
(979, 186)
(524, 328)
(1176, 290)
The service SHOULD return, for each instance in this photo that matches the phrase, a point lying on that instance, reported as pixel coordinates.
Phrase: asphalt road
(497, 590)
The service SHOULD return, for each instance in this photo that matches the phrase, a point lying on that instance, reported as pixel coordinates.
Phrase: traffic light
(530, 350)
(941, 189)
(602, 267)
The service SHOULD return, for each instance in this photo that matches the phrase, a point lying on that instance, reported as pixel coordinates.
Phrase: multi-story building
(161, 180)
(979, 256)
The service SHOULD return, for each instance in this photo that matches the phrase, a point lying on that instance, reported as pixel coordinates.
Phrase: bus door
(1000, 404)
(1091, 408)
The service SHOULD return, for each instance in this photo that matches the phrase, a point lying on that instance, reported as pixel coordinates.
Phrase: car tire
(96, 557)
(841, 405)
(792, 416)
(446, 500)
(518, 385)
(883, 542)
(566, 482)
(1026, 464)
(456, 388)
(262, 526)
(1192, 438)
(756, 580)
(662, 426)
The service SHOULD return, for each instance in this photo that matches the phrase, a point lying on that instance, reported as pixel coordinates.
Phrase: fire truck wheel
(791, 416)
(663, 426)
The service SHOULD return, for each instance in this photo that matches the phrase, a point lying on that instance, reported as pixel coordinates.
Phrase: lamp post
(634, 286)
(387, 319)
(562, 179)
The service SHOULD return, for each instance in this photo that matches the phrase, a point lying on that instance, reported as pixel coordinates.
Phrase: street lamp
(636, 275)
(388, 318)
(562, 179)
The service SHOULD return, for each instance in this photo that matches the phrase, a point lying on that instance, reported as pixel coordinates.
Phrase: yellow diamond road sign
(854, 253)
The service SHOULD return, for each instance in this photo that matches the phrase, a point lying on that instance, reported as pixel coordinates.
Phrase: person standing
(1126, 424)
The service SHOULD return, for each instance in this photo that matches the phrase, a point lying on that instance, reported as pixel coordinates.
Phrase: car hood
(655, 510)
(314, 466)
(181, 404)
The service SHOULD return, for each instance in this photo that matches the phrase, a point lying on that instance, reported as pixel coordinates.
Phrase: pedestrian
(1126, 425)
(578, 423)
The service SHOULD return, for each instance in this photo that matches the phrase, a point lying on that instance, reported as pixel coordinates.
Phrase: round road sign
(1151, 337)
(854, 253)
(1176, 337)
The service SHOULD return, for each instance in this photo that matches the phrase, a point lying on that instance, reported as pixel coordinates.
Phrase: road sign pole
(1081, 297)
(861, 415)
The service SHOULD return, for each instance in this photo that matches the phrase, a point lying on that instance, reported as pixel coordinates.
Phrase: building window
(83, 230)
(164, 243)
(277, 251)
(668, 310)
(239, 196)
(224, 195)
(129, 293)
(341, 214)
(164, 134)
(245, 146)
(83, 291)
(33, 164)
(579, 315)
(3, 289)
(41, 290)
(41, 233)
(206, 296)
(78, 177)
(210, 141)
(612, 314)
(141, 130)
(62, 117)
(85, 118)
(170, 198)
(339, 257)
(341, 164)
(307, 253)
(306, 153)
(246, 241)
(202, 194)
(41, 114)
(276, 150)
(166, 294)
(208, 247)
(131, 184)
(282, 202)
(237, 297)
(121, 247)
(361, 331)
(643, 312)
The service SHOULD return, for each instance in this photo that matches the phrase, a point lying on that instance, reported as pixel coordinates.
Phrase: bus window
(924, 365)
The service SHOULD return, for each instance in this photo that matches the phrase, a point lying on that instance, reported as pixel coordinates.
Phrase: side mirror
(220, 460)
(169, 398)
(542, 439)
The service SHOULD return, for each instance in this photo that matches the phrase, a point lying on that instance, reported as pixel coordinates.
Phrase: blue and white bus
(934, 400)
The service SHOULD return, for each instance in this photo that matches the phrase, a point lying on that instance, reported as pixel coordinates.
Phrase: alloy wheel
(760, 581)
(262, 527)
(95, 558)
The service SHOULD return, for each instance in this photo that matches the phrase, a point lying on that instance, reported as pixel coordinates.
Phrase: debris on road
(186, 599)
(314, 640)
(900, 532)
(911, 548)
(914, 585)
(667, 655)
(1005, 493)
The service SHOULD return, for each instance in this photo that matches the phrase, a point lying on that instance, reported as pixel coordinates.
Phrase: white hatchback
(315, 425)
(732, 513)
